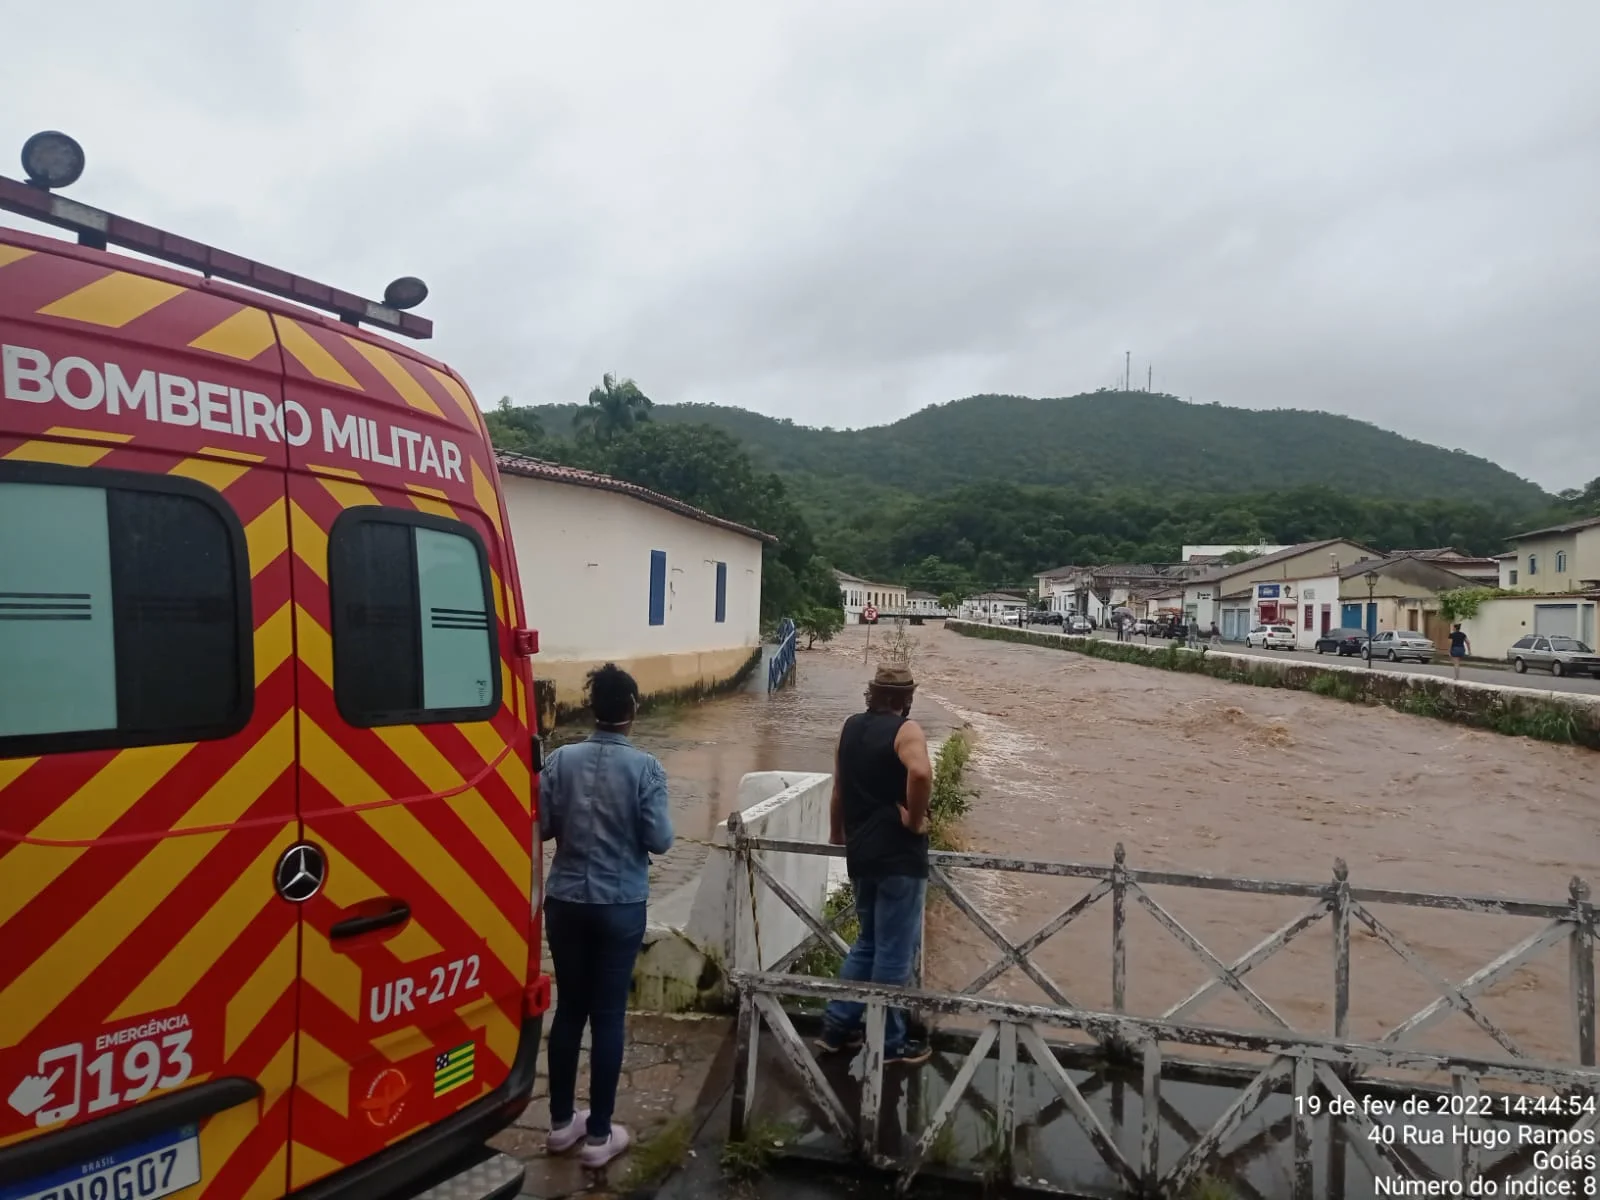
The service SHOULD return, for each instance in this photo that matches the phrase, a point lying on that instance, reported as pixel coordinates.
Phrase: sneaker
(832, 1041)
(569, 1135)
(911, 1054)
(595, 1155)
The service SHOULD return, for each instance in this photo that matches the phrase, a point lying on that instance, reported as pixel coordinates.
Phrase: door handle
(371, 922)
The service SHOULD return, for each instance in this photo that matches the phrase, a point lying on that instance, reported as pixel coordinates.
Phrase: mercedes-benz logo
(300, 872)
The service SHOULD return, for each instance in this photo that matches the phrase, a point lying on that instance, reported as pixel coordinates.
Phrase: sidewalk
(666, 1067)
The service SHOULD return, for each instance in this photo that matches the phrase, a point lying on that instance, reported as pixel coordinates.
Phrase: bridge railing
(1320, 1071)
(781, 665)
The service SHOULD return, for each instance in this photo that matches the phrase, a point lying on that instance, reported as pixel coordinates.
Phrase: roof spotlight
(406, 292)
(52, 160)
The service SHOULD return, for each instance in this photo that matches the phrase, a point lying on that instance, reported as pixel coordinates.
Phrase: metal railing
(781, 665)
(1321, 1072)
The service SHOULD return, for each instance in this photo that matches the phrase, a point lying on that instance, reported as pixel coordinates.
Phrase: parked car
(1271, 637)
(1080, 626)
(1398, 644)
(1144, 626)
(1559, 655)
(1044, 617)
(1343, 642)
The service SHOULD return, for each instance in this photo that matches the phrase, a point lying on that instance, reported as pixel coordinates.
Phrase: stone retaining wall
(1517, 711)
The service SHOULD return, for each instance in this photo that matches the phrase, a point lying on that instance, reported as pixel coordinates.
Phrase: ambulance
(269, 869)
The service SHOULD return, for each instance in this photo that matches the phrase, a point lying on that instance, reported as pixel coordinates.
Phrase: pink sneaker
(595, 1155)
(569, 1135)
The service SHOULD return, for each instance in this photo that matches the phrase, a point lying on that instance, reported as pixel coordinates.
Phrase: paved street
(1478, 674)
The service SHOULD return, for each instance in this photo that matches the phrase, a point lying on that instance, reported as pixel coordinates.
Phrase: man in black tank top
(882, 782)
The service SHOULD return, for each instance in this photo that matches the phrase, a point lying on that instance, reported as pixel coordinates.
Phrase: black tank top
(872, 784)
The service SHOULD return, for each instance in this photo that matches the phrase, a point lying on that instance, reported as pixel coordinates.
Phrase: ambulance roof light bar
(54, 160)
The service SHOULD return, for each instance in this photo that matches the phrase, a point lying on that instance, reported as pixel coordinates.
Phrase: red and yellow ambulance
(268, 837)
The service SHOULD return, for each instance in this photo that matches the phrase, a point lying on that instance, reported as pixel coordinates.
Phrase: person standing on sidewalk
(882, 783)
(1460, 647)
(604, 802)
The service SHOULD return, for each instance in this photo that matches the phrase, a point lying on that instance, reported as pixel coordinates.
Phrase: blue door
(1350, 616)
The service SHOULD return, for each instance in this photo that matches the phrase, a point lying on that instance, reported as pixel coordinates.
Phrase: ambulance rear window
(413, 619)
(124, 611)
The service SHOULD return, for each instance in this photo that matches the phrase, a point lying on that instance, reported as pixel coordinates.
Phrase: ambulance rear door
(414, 770)
(147, 784)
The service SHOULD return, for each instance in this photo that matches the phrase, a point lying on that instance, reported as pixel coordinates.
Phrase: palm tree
(616, 406)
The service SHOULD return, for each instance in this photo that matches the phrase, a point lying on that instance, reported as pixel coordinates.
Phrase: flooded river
(1075, 754)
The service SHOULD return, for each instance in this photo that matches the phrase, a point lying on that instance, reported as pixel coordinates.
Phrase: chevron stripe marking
(243, 336)
(236, 455)
(458, 394)
(335, 976)
(213, 474)
(315, 647)
(64, 454)
(266, 537)
(246, 780)
(349, 495)
(187, 962)
(106, 798)
(248, 1007)
(11, 770)
(45, 983)
(270, 1184)
(321, 1073)
(488, 742)
(347, 884)
(336, 472)
(499, 1032)
(113, 300)
(402, 1043)
(422, 489)
(11, 254)
(307, 1165)
(483, 492)
(91, 435)
(424, 760)
(310, 543)
(313, 355)
(343, 778)
(437, 508)
(274, 643)
(397, 377)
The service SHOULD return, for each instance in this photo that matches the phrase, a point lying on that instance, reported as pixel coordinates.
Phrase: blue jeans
(593, 947)
(890, 911)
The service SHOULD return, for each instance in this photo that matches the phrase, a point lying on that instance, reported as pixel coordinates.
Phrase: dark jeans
(593, 947)
(890, 911)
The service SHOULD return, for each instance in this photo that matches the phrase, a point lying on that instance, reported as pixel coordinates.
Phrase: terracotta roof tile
(538, 468)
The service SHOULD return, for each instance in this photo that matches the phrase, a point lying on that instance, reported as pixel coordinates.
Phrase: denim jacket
(604, 801)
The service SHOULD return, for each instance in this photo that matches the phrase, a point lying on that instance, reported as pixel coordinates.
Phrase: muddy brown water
(1075, 754)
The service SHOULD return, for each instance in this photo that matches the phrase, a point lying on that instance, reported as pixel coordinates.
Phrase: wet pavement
(665, 1071)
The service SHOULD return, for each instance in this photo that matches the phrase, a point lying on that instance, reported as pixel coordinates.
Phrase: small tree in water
(820, 624)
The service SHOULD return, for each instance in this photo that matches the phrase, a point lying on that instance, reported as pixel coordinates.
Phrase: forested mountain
(1103, 440)
(985, 492)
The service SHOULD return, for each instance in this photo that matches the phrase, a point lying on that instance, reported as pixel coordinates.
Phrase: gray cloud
(839, 215)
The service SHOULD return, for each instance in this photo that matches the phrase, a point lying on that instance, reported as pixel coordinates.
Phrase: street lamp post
(1372, 613)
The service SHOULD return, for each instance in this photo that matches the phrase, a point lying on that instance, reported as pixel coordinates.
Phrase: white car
(1271, 637)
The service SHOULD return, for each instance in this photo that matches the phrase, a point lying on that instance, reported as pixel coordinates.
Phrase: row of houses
(1314, 587)
(1340, 583)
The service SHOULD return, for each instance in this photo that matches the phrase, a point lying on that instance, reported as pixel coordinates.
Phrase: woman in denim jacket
(604, 801)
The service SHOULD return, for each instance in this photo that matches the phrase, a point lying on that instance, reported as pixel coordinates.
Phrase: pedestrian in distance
(604, 803)
(1460, 647)
(882, 784)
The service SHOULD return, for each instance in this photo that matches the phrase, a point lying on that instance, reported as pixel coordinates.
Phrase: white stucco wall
(1499, 623)
(584, 559)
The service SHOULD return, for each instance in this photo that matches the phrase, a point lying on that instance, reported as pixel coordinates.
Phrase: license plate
(158, 1166)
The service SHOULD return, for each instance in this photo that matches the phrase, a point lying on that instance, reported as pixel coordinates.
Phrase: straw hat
(893, 675)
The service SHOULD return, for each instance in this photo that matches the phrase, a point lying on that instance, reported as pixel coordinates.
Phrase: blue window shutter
(722, 592)
(658, 587)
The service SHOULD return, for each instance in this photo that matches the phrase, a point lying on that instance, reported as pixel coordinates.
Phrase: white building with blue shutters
(613, 572)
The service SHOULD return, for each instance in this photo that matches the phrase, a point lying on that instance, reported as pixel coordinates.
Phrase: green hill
(1111, 440)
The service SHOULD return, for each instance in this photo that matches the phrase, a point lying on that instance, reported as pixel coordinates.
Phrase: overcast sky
(841, 212)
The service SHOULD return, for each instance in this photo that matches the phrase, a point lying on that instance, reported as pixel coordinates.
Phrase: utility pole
(1149, 375)
(1127, 370)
